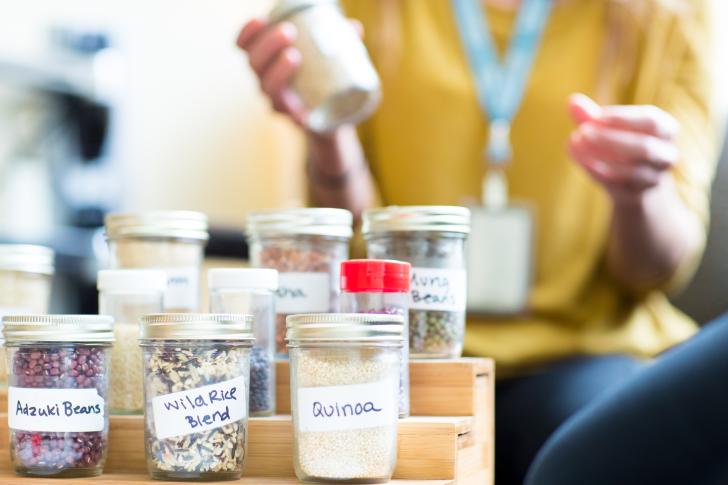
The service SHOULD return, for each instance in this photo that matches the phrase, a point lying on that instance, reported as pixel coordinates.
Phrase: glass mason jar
(196, 369)
(25, 285)
(345, 396)
(380, 286)
(172, 241)
(307, 247)
(432, 239)
(337, 82)
(58, 380)
(126, 295)
(252, 291)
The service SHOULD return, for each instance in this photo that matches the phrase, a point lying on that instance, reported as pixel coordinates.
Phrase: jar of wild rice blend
(172, 241)
(432, 239)
(57, 393)
(306, 246)
(196, 369)
(345, 396)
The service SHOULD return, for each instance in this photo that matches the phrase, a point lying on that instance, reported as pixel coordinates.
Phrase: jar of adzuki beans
(57, 388)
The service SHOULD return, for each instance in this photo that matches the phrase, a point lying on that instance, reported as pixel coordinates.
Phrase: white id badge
(499, 259)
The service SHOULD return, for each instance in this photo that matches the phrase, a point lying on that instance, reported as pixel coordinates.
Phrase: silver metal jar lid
(286, 8)
(58, 328)
(26, 258)
(159, 224)
(341, 327)
(197, 326)
(311, 221)
(444, 218)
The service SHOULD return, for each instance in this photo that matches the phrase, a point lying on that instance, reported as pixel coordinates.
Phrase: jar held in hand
(336, 82)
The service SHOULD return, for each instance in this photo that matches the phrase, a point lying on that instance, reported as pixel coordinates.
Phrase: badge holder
(500, 244)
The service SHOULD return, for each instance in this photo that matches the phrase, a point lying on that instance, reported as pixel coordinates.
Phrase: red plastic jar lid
(375, 275)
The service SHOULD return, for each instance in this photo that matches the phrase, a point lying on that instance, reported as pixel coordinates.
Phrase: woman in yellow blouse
(619, 178)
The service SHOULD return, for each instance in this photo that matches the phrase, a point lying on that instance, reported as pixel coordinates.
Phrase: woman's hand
(275, 60)
(627, 149)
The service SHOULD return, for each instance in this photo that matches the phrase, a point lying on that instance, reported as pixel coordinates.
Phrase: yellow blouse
(424, 147)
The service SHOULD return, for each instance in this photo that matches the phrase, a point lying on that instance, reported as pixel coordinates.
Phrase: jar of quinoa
(432, 239)
(307, 247)
(196, 383)
(172, 241)
(58, 381)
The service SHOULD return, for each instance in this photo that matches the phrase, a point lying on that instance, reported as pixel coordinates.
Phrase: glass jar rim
(27, 258)
(344, 327)
(157, 224)
(416, 218)
(311, 221)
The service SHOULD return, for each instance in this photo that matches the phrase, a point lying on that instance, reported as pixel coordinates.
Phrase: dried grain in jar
(306, 246)
(344, 396)
(196, 369)
(57, 394)
(432, 239)
(126, 295)
(336, 82)
(172, 241)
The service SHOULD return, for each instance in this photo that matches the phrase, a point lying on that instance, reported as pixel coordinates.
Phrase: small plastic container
(172, 241)
(252, 291)
(25, 285)
(432, 239)
(203, 359)
(126, 295)
(58, 381)
(337, 82)
(345, 396)
(307, 247)
(380, 286)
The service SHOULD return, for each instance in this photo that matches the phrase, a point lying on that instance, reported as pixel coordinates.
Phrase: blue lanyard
(500, 87)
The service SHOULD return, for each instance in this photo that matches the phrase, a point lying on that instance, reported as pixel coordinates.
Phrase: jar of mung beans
(432, 239)
(306, 246)
(57, 393)
(345, 396)
(196, 369)
(172, 241)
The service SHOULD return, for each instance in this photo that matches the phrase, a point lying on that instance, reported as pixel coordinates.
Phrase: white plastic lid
(136, 280)
(243, 278)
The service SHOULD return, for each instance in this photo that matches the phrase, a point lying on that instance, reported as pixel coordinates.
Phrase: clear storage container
(196, 369)
(380, 286)
(252, 291)
(172, 241)
(345, 396)
(432, 239)
(307, 247)
(336, 82)
(25, 285)
(126, 295)
(57, 407)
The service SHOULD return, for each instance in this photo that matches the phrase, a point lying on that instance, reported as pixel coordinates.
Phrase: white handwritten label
(348, 407)
(55, 410)
(199, 409)
(182, 288)
(303, 293)
(438, 289)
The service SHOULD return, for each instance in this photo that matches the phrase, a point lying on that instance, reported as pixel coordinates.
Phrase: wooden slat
(437, 387)
(429, 448)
